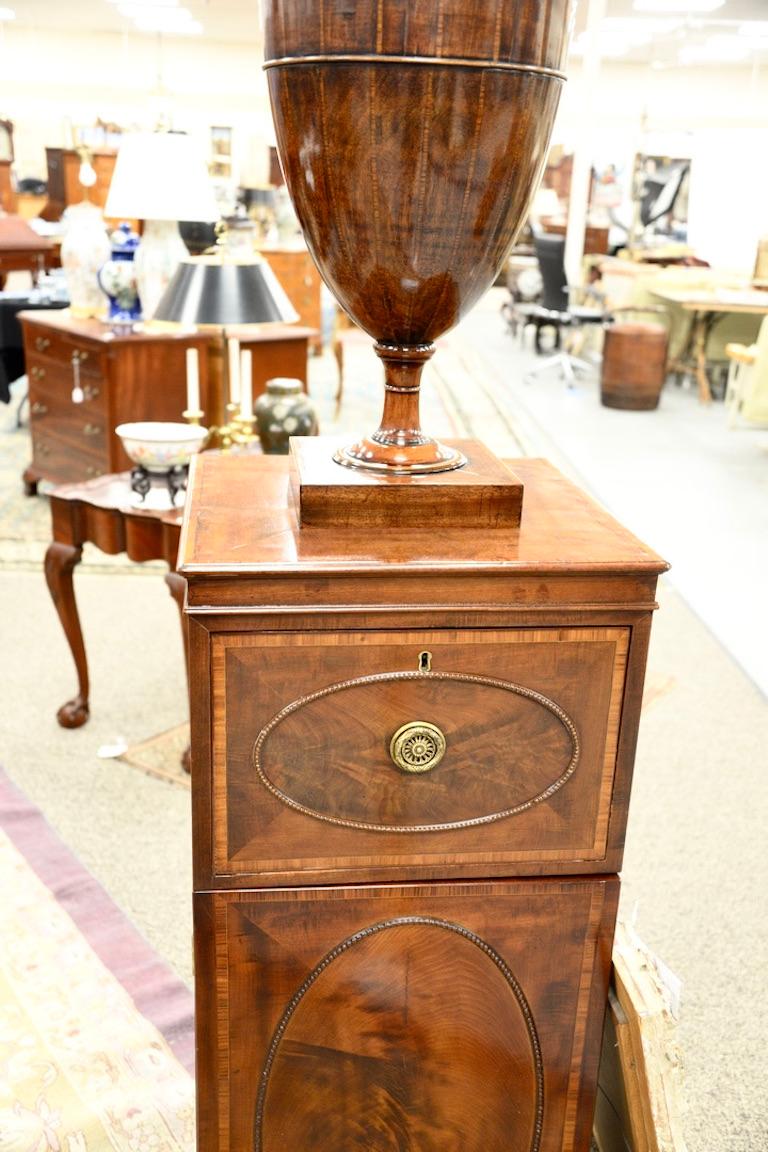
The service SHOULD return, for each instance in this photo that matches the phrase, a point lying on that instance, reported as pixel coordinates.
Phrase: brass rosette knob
(417, 747)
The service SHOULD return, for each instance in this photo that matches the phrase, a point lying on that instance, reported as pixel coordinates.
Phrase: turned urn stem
(399, 446)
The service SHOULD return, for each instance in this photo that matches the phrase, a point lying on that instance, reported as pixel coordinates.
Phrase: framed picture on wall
(661, 195)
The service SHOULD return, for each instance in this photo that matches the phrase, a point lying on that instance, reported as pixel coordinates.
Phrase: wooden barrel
(634, 365)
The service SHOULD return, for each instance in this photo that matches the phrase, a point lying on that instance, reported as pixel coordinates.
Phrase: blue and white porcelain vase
(117, 278)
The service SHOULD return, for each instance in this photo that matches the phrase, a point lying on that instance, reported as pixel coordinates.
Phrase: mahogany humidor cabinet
(411, 758)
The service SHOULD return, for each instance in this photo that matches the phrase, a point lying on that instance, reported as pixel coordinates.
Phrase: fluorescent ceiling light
(757, 28)
(7, 14)
(681, 6)
(161, 17)
(616, 36)
(190, 28)
(716, 49)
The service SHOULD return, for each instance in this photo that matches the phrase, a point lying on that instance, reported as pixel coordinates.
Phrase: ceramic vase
(412, 138)
(117, 278)
(84, 249)
(284, 410)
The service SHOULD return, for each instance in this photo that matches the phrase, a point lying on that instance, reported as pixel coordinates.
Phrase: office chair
(556, 311)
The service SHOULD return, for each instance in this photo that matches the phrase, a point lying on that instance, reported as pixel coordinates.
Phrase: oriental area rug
(96, 1036)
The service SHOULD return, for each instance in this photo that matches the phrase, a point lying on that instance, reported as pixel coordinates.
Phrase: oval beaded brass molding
(422, 827)
(361, 937)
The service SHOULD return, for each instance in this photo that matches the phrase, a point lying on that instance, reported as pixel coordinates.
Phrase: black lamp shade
(212, 290)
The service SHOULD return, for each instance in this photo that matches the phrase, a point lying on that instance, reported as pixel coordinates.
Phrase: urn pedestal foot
(483, 493)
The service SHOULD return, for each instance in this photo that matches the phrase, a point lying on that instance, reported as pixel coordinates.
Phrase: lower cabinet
(444, 1017)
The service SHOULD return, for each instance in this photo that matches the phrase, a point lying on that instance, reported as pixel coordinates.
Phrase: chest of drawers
(86, 378)
(411, 758)
(298, 275)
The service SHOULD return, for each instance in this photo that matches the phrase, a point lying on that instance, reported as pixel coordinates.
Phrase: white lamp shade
(161, 176)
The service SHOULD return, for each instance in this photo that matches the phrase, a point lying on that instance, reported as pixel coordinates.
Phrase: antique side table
(411, 762)
(100, 512)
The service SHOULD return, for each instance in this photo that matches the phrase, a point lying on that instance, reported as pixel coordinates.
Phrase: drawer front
(455, 1016)
(53, 415)
(49, 347)
(58, 380)
(373, 752)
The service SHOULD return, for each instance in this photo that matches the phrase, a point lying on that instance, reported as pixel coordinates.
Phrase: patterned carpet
(84, 1005)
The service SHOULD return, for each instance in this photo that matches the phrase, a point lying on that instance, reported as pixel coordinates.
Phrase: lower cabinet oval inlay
(327, 755)
(388, 1038)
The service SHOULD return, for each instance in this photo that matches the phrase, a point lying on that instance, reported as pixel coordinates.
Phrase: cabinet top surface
(240, 518)
(88, 328)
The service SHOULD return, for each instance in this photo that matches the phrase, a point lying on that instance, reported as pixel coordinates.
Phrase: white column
(584, 146)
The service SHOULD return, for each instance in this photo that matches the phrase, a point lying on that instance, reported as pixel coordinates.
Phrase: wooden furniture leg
(702, 328)
(29, 480)
(60, 563)
(177, 586)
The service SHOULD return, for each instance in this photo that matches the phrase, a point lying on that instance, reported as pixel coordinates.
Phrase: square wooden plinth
(482, 494)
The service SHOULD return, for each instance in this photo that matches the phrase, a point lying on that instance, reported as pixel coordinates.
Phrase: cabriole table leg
(60, 563)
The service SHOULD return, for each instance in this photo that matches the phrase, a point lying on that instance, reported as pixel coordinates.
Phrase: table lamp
(216, 291)
(160, 178)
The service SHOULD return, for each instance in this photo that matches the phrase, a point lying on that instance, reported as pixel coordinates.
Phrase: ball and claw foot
(74, 713)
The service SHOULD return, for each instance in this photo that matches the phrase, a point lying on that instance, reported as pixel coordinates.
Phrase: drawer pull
(37, 373)
(41, 343)
(93, 471)
(92, 429)
(90, 392)
(417, 747)
(39, 409)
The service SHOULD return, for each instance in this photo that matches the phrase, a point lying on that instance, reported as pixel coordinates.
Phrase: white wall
(720, 116)
(48, 80)
(716, 115)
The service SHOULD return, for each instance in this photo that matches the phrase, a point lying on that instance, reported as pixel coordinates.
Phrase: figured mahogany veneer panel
(304, 780)
(427, 1018)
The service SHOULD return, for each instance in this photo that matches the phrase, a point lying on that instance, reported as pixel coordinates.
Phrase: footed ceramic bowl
(159, 446)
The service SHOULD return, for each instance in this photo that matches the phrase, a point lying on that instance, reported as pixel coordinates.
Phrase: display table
(101, 512)
(411, 762)
(707, 306)
(22, 250)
